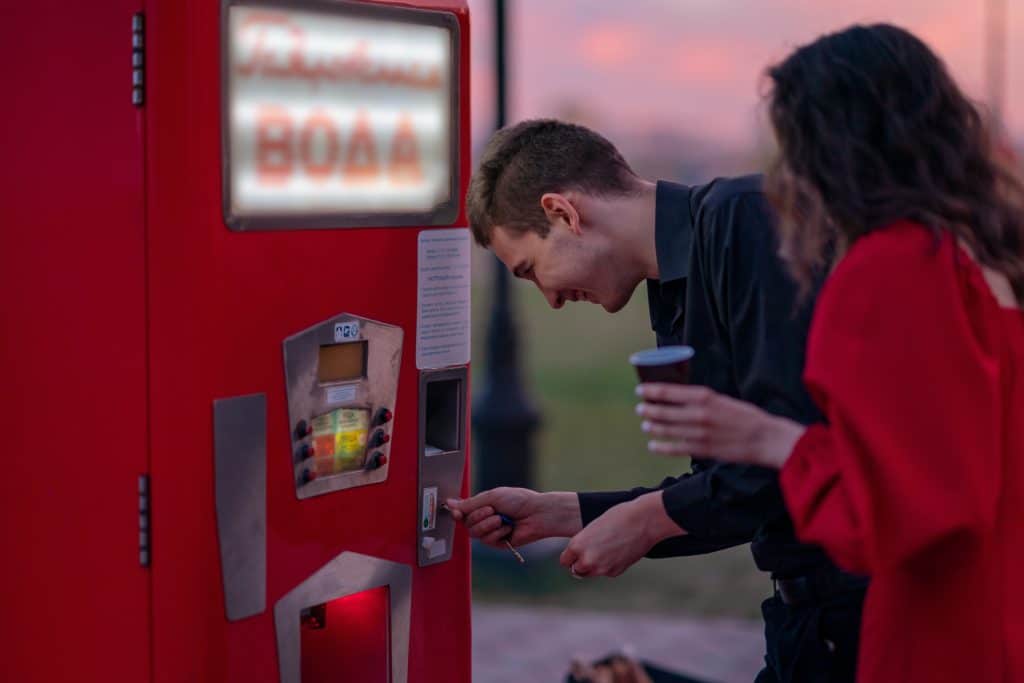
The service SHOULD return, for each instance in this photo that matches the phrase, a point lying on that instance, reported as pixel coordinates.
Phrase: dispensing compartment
(348, 634)
(442, 459)
(348, 621)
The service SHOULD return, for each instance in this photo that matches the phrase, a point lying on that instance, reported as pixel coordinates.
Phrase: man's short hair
(524, 161)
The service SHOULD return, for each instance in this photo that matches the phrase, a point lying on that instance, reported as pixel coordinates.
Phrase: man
(559, 206)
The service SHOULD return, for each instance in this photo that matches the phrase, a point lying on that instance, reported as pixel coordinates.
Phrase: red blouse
(917, 479)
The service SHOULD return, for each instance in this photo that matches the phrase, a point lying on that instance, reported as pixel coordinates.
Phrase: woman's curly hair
(872, 129)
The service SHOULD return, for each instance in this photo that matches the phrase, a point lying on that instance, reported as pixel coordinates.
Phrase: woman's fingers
(674, 393)
(685, 415)
(680, 447)
(672, 431)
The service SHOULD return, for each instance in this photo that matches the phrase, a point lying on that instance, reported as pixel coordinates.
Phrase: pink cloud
(610, 45)
(695, 66)
(717, 62)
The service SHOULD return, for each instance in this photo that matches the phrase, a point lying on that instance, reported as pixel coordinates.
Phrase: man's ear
(560, 209)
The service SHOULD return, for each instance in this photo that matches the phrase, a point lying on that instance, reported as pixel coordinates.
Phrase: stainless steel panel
(240, 469)
(443, 468)
(346, 574)
(308, 398)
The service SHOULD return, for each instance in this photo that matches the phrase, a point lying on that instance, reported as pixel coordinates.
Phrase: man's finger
(519, 538)
(568, 556)
(582, 566)
(468, 505)
(454, 506)
(478, 515)
(496, 537)
(486, 526)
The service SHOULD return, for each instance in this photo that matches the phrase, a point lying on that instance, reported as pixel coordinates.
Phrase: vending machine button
(376, 461)
(379, 439)
(308, 475)
(306, 451)
(383, 416)
(303, 429)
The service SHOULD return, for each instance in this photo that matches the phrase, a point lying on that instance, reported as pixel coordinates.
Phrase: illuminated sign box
(339, 115)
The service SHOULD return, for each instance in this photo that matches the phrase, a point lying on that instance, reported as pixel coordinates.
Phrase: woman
(886, 182)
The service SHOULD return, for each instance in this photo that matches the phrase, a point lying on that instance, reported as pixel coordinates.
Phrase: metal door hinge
(144, 520)
(138, 60)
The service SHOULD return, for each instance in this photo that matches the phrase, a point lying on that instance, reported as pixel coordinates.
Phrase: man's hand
(613, 542)
(536, 515)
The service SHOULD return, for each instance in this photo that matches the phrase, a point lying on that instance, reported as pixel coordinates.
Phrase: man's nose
(555, 300)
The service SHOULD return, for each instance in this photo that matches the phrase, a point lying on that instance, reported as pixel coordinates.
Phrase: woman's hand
(685, 419)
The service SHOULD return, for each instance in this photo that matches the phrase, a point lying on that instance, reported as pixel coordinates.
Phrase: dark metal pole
(504, 418)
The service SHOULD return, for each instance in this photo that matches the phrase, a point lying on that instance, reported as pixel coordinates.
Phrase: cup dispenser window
(342, 379)
(443, 429)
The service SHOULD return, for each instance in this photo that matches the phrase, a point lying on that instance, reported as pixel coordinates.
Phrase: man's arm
(593, 504)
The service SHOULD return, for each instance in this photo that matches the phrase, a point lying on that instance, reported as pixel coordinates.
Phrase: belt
(801, 590)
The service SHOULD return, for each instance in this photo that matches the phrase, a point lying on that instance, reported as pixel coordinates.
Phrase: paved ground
(534, 645)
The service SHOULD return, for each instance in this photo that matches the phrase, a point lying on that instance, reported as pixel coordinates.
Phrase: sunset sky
(694, 66)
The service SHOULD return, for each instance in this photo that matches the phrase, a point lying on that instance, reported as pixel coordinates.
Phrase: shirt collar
(673, 230)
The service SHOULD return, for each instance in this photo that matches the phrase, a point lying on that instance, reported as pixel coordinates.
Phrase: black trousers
(814, 642)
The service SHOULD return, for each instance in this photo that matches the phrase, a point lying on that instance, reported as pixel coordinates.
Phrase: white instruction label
(442, 313)
(429, 521)
(342, 394)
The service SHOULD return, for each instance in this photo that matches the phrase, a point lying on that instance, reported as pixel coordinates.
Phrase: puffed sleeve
(902, 365)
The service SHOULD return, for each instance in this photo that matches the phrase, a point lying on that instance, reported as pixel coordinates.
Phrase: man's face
(567, 266)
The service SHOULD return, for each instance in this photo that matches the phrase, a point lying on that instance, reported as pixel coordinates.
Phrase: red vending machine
(235, 341)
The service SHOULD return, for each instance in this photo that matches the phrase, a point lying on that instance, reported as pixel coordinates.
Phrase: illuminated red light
(353, 639)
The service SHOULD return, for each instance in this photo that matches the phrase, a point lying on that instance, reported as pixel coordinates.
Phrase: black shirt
(724, 291)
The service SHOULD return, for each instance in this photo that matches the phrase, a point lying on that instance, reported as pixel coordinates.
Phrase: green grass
(576, 369)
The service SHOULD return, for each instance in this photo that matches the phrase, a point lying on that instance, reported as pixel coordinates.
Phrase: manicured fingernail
(639, 408)
(639, 389)
(645, 426)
